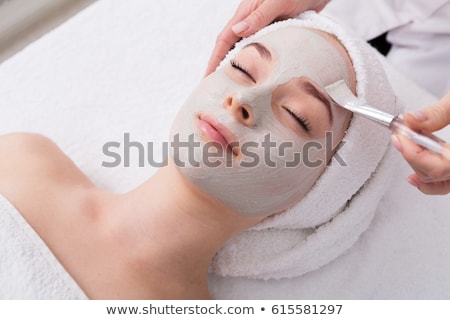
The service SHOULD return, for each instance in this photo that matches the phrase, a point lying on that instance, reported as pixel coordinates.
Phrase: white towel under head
(342, 203)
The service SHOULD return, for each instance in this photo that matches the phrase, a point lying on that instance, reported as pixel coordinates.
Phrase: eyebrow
(262, 50)
(313, 91)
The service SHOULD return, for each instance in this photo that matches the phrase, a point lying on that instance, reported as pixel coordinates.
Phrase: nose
(243, 113)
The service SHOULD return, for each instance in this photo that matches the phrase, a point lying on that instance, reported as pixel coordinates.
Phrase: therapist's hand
(253, 15)
(432, 171)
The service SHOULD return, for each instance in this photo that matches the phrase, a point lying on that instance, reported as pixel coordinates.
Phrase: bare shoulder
(38, 178)
(31, 157)
(23, 152)
(56, 199)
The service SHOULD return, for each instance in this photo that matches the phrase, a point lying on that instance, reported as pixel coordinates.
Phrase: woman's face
(258, 132)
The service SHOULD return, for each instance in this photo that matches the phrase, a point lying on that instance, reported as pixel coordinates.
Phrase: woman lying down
(255, 147)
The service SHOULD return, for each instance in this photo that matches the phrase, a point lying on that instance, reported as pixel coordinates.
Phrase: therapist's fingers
(428, 165)
(431, 188)
(432, 171)
(253, 15)
(431, 118)
(263, 13)
(227, 38)
(224, 42)
(271, 10)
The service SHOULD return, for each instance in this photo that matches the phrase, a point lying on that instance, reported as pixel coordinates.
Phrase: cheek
(298, 159)
(292, 184)
(340, 126)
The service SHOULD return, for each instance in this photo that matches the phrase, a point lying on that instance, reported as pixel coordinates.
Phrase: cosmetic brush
(344, 97)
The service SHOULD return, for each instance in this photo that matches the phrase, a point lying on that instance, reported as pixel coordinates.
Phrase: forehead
(299, 38)
(299, 51)
(288, 34)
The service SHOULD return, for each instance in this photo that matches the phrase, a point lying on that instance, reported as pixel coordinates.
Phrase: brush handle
(428, 141)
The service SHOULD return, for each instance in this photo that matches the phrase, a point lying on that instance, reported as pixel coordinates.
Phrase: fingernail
(240, 27)
(413, 182)
(396, 143)
(419, 115)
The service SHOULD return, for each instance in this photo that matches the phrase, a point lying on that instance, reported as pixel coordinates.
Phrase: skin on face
(300, 96)
(272, 87)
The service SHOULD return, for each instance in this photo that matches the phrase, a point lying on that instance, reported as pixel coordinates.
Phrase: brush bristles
(340, 93)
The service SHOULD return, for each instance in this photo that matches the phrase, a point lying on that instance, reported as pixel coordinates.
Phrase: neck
(174, 230)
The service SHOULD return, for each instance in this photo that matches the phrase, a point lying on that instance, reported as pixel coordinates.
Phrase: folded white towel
(28, 270)
(341, 205)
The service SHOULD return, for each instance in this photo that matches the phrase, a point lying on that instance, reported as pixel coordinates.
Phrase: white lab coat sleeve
(370, 19)
(418, 30)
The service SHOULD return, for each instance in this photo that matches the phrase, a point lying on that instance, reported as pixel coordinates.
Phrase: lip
(217, 132)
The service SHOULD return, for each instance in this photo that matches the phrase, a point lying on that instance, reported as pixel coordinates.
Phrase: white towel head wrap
(341, 204)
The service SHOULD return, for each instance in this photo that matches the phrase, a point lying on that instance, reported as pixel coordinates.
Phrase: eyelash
(304, 123)
(237, 66)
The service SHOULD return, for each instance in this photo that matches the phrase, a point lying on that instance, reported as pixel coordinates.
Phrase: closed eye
(303, 123)
(240, 68)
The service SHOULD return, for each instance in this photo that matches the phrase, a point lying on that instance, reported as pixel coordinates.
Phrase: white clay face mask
(271, 166)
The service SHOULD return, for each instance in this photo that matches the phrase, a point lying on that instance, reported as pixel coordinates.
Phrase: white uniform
(419, 31)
